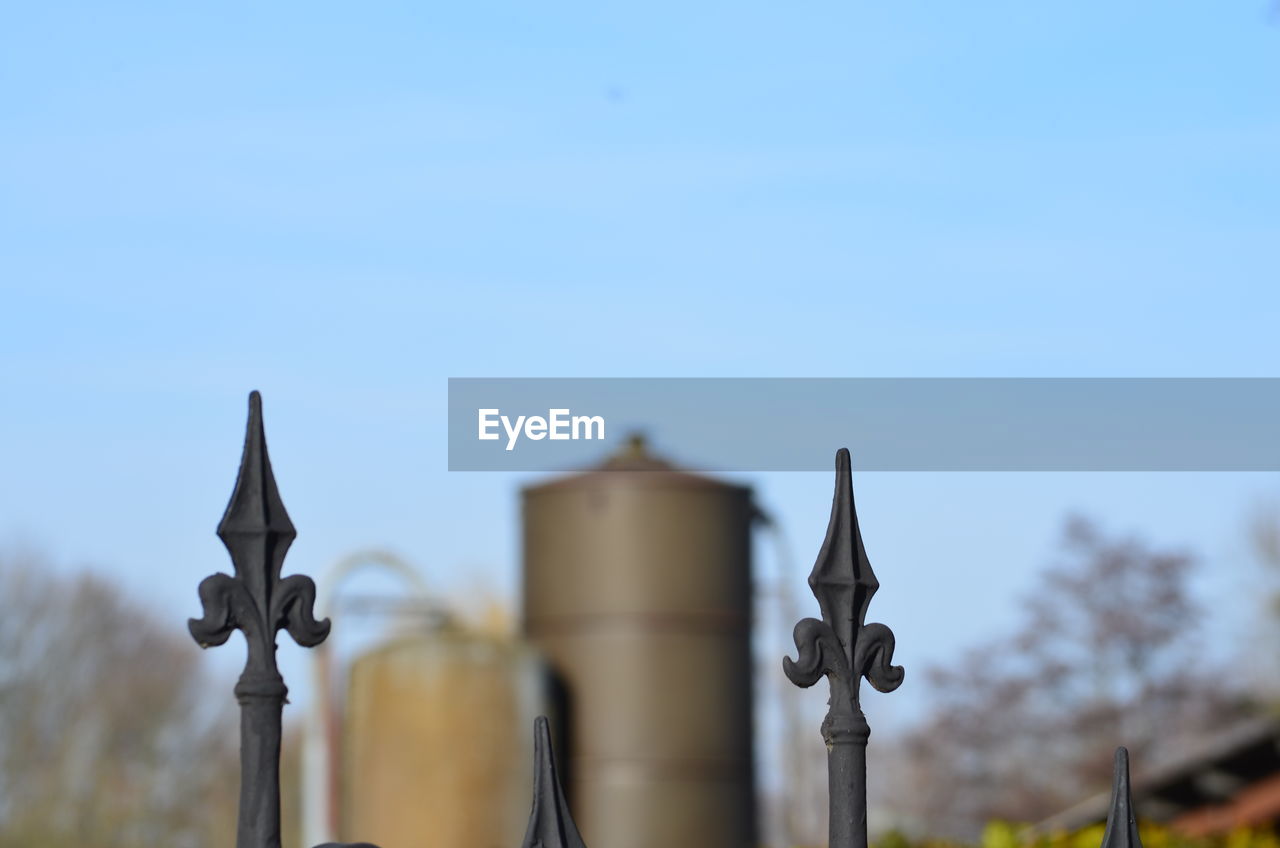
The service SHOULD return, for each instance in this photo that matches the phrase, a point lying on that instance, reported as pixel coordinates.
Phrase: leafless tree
(108, 736)
(1108, 653)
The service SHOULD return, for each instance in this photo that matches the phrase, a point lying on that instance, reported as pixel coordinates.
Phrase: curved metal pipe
(320, 731)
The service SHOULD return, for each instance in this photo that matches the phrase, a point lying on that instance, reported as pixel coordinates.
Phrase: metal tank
(637, 588)
(437, 748)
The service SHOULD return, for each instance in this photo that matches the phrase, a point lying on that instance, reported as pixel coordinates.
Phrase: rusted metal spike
(550, 823)
(844, 649)
(1122, 823)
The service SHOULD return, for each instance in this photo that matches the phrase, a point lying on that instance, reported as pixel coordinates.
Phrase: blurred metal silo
(436, 744)
(637, 588)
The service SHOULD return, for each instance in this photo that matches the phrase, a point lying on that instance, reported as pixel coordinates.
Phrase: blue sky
(344, 206)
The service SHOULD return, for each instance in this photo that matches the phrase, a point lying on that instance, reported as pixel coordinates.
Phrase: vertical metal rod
(259, 602)
(320, 750)
(844, 650)
(846, 737)
(318, 738)
(261, 705)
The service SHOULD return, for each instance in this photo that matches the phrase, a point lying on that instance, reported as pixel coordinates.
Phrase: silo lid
(634, 456)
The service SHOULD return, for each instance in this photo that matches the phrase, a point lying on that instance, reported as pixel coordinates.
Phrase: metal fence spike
(550, 823)
(258, 602)
(255, 506)
(1122, 823)
(844, 649)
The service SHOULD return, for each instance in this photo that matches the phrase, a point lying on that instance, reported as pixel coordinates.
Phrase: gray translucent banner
(888, 424)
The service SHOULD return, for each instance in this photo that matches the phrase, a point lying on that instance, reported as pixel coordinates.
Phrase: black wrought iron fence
(841, 646)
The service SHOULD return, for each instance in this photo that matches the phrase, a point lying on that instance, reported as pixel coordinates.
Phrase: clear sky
(343, 205)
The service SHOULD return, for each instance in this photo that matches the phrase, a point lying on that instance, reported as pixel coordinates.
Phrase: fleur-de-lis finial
(258, 602)
(257, 532)
(550, 824)
(1122, 823)
(844, 649)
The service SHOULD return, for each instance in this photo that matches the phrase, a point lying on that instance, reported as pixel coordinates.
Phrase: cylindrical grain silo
(637, 588)
(437, 741)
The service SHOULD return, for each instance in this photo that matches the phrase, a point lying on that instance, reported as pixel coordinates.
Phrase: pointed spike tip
(843, 462)
(255, 504)
(550, 822)
(255, 416)
(1120, 779)
(542, 729)
(255, 435)
(544, 759)
(1122, 821)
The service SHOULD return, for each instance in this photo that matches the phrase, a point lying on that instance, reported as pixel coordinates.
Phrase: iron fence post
(259, 602)
(844, 650)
